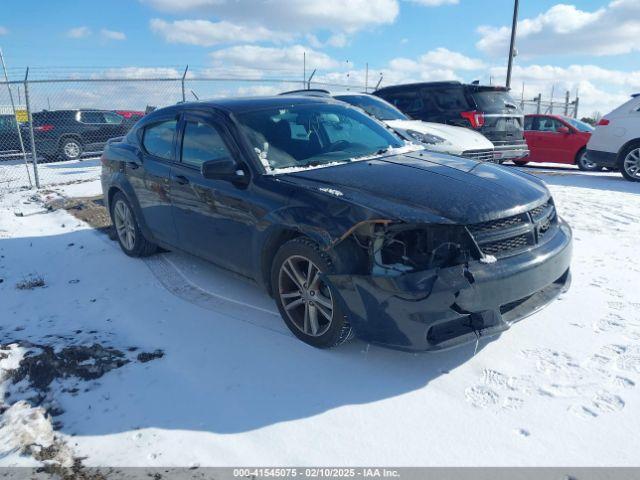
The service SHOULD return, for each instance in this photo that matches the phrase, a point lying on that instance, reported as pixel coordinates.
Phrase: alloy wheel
(305, 297)
(124, 223)
(71, 149)
(586, 163)
(631, 163)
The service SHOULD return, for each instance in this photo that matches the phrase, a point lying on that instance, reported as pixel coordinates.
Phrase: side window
(451, 99)
(407, 102)
(112, 118)
(548, 124)
(528, 123)
(202, 142)
(91, 117)
(158, 139)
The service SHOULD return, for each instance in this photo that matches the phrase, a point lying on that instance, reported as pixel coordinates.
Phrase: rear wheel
(70, 149)
(630, 163)
(585, 164)
(128, 232)
(307, 302)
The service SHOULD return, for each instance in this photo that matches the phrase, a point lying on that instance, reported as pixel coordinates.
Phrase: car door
(214, 218)
(552, 143)
(92, 130)
(150, 178)
(531, 125)
(114, 126)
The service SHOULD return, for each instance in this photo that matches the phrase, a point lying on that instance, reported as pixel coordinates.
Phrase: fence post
(15, 117)
(539, 103)
(34, 155)
(184, 75)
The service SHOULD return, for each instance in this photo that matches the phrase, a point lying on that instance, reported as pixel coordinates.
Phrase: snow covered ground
(234, 387)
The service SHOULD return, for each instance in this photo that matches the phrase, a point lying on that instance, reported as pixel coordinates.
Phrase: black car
(487, 109)
(68, 134)
(350, 229)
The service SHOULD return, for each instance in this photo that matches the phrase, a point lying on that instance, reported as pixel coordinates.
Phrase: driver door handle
(181, 179)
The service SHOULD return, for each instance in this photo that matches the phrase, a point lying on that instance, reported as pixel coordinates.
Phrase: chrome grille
(485, 155)
(506, 236)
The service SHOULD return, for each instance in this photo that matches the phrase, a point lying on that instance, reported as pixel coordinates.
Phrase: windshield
(374, 106)
(495, 101)
(578, 125)
(313, 135)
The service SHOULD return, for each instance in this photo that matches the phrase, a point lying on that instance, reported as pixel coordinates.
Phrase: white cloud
(338, 40)
(599, 89)
(112, 34)
(256, 60)
(437, 59)
(564, 29)
(206, 33)
(435, 3)
(79, 32)
(292, 15)
(3, 30)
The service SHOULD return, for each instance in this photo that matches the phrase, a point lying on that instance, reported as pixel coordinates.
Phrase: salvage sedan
(349, 228)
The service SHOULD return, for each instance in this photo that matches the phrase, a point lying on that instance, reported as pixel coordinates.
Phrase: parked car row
(67, 134)
(350, 228)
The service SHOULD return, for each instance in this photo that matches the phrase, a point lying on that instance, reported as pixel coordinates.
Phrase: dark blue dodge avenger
(349, 228)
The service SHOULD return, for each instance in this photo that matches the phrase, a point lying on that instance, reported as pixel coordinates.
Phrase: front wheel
(630, 167)
(585, 164)
(307, 302)
(128, 232)
(521, 163)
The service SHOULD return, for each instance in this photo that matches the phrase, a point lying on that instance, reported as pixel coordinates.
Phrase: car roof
(403, 86)
(246, 104)
(452, 83)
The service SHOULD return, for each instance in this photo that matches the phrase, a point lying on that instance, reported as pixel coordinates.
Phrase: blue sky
(586, 45)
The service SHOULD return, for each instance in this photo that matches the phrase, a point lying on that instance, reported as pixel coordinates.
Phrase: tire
(629, 162)
(584, 164)
(70, 149)
(127, 230)
(290, 282)
(521, 163)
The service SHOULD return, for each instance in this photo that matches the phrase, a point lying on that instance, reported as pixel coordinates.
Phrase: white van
(615, 143)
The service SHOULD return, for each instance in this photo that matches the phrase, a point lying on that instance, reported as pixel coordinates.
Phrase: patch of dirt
(145, 357)
(90, 210)
(30, 283)
(84, 362)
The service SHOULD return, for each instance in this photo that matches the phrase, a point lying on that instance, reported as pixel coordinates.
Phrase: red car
(557, 139)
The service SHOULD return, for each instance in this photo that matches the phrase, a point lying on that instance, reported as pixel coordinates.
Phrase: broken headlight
(405, 248)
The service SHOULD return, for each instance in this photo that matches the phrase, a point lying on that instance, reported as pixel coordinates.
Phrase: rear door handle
(181, 180)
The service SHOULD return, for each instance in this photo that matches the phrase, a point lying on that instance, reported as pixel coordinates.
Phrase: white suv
(615, 143)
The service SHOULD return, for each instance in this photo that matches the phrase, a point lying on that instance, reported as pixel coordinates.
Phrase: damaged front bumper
(443, 308)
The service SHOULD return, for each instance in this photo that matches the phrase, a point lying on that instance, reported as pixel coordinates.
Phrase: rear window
(495, 101)
(374, 106)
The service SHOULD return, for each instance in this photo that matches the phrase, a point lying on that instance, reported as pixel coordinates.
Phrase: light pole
(512, 44)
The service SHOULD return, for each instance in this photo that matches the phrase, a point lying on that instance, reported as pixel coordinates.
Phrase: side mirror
(564, 130)
(223, 169)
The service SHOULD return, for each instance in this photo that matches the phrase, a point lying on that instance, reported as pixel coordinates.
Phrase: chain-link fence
(566, 106)
(52, 131)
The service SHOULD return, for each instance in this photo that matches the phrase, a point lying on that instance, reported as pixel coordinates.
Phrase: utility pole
(512, 44)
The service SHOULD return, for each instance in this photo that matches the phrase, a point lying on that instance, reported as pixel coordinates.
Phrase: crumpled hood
(427, 187)
(461, 138)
